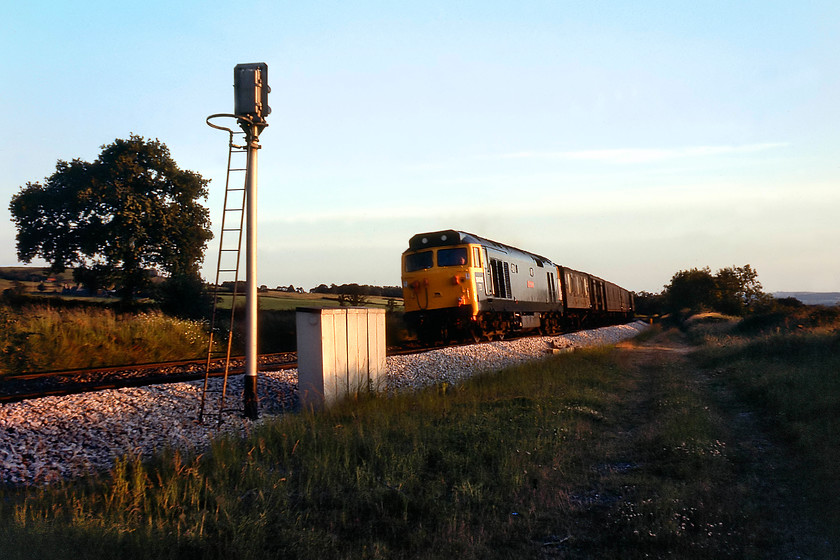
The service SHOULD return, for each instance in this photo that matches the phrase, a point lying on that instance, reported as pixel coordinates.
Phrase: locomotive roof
(453, 237)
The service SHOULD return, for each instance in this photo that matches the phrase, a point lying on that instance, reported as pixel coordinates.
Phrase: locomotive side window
(476, 257)
(418, 261)
(452, 257)
(500, 272)
(552, 293)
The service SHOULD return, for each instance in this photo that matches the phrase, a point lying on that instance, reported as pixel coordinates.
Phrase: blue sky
(631, 140)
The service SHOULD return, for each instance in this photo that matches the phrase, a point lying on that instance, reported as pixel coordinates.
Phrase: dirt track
(764, 468)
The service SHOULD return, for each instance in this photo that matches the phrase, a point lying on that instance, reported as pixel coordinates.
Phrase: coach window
(418, 261)
(452, 257)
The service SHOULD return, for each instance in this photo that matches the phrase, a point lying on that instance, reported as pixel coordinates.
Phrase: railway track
(19, 387)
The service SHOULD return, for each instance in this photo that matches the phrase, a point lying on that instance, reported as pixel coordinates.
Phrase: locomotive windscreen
(452, 257)
(418, 261)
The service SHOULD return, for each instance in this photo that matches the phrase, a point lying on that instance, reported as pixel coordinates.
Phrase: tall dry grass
(43, 338)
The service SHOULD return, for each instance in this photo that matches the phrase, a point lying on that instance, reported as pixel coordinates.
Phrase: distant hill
(812, 298)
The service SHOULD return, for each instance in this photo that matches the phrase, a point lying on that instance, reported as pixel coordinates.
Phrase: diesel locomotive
(459, 285)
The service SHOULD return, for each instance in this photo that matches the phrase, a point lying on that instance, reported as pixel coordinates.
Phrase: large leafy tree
(734, 290)
(130, 210)
(738, 289)
(691, 289)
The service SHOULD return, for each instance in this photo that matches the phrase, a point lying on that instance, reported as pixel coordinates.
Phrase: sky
(631, 140)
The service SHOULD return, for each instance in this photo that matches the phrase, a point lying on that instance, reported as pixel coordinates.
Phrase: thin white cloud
(648, 200)
(645, 155)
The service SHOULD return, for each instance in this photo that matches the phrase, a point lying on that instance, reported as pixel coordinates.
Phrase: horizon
(822, 297)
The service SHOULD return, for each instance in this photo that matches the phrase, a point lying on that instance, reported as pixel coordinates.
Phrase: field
(286, 301)
(29, 279)
(715, 441)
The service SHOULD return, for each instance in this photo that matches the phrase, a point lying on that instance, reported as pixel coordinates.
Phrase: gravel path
(52, 438)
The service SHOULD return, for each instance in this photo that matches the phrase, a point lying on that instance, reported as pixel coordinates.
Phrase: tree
(733, 290)
(737, 289)
(130, 210)
(691, 289)
(647, 303)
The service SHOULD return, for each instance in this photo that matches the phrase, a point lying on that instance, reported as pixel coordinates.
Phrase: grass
(383, 477)
(44, 338)
(793, 381)
(630, 453)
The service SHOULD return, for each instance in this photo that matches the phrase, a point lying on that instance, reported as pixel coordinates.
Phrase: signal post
(250, 82)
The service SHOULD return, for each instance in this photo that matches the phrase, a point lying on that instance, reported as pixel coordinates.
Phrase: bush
(184, 296)
(791, 318)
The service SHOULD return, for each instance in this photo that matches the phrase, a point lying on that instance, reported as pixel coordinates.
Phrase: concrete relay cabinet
(340, 352)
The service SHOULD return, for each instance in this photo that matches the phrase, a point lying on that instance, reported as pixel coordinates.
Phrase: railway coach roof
(452, 237)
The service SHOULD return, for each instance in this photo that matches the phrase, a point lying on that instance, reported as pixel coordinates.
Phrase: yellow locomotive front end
(439, 287)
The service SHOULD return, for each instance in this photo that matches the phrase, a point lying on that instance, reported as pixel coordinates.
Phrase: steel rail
(126, 367)
(74, 387)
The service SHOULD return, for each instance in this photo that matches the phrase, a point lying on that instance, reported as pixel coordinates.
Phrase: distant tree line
(733, 290)
(332, 289)
(356, 289)
(22, 274)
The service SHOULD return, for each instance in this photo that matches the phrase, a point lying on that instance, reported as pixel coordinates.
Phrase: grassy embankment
(45, 338)
(633, 452)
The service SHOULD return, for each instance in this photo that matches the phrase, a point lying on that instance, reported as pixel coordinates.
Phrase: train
(457, 285)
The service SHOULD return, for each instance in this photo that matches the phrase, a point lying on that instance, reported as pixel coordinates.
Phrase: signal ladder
(230, 249)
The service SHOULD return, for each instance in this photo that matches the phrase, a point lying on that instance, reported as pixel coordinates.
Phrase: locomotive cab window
(452, 257)
(418, 261)
(476, 257)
